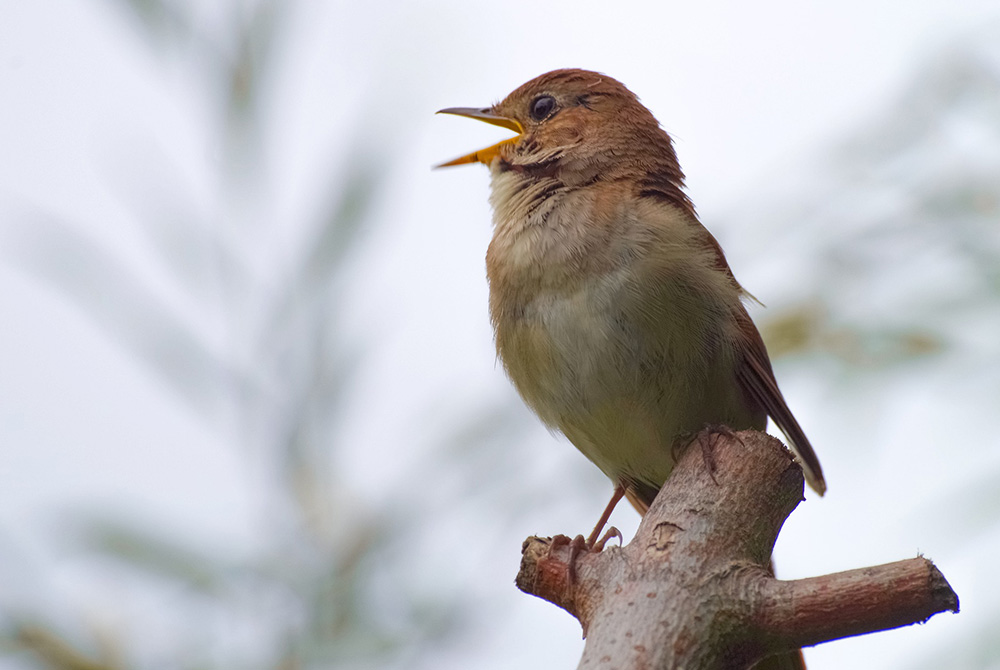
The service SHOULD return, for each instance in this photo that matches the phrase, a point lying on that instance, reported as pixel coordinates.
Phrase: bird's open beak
(483, 155)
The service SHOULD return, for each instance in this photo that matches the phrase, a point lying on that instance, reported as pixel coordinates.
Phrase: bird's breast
(611, 325)
(583, 365)
(566, 348)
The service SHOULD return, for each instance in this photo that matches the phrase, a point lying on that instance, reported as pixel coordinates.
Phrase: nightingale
(615, 313)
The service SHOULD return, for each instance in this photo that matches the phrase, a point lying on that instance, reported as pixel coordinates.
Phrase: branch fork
(694, 588)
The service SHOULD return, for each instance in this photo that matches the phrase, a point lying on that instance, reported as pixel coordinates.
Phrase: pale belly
(628, 392)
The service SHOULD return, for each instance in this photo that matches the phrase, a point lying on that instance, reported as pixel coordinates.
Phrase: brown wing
(756, 377)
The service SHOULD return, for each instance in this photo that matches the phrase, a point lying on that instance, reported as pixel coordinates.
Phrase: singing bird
(615, 313)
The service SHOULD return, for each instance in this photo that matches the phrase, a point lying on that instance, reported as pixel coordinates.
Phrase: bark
(694, 590)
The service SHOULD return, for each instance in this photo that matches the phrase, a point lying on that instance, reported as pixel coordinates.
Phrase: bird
(615, 313)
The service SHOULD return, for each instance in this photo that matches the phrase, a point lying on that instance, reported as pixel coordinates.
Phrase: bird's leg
(616, 497)
(579, 545)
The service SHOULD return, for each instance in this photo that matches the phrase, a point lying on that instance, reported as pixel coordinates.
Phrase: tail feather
(757, 379)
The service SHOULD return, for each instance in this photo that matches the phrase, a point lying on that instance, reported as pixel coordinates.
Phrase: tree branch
(694, 589)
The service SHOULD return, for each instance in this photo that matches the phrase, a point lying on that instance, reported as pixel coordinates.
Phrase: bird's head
(574, 124)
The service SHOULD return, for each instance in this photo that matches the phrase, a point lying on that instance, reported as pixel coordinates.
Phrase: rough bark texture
(693, 589)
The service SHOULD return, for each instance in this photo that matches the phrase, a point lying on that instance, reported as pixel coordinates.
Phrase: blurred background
(250, 413)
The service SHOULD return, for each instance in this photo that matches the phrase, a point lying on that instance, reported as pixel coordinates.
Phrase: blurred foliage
(56, 652)
(311, 595)
(808, 328)
(905, 227)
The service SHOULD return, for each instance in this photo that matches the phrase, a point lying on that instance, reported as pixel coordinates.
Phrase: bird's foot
(579, 546)
(611, 533)
(707, 438)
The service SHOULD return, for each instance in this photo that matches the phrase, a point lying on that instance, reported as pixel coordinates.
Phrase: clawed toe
(707, 439)
(612, 532)
(579, 546)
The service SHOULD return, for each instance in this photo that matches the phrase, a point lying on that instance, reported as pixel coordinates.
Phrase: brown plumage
(616, 314)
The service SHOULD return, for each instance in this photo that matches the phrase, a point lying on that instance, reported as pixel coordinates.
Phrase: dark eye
(542, 106)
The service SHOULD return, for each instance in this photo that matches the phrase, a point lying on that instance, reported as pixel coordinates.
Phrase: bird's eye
(542, 107)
